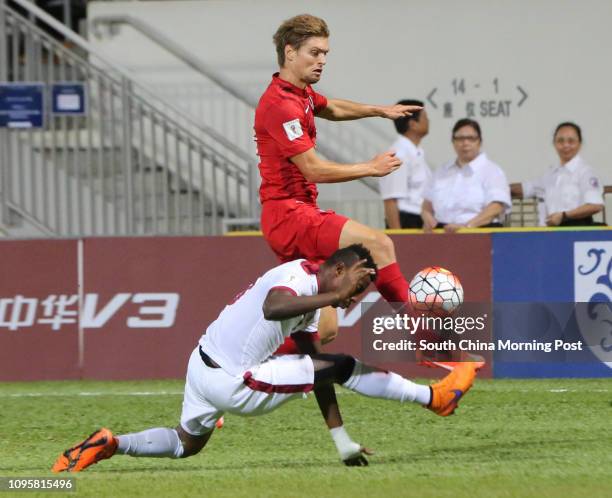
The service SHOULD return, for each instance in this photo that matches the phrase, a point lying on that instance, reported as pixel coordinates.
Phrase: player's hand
(384, 163)
(358, 460)
(554, 219)
(398, 110)
(354, 282)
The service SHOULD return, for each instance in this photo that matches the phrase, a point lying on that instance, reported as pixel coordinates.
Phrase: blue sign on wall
(559, 267)
(22, 105)
(68, 99)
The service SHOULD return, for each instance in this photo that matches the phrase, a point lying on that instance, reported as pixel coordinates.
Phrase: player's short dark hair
(296, 31)
(468, 122)
(571, 125)
(402, 124)
(351, 254)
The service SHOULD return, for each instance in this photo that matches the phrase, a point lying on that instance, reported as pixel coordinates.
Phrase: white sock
(387, 385)
(345, 445)
(159, 442)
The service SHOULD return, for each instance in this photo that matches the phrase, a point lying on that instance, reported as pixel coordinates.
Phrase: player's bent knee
(344, 368)
(379, 244)
(332, 367)
(192, 445)
(385, 243)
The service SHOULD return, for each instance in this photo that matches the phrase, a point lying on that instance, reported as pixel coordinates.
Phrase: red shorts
(296, 230)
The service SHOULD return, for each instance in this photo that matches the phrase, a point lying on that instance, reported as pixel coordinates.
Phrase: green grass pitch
(519, 438)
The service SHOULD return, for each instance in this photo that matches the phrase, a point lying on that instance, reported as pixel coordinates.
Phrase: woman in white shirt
(470, 191)
(570, 191)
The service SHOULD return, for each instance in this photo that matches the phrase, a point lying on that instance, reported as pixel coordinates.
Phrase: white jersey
(241, 337)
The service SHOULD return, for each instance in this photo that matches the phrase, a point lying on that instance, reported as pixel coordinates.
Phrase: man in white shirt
(570, 192)
(402, 190)
(233, 368)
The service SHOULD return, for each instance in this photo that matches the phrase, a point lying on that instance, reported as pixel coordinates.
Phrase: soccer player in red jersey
(285, 131)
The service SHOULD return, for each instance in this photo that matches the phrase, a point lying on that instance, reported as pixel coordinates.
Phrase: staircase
(132, 165)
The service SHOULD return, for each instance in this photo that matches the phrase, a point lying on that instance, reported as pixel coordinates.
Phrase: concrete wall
(477, 51)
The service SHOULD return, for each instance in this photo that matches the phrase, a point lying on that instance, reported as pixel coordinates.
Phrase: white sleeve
(497, 188)
(395, 184)
(296, 282)
(590, 187)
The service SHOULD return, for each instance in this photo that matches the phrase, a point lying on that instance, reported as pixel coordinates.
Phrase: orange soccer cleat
(445, 395)
(220, 423)
(424, 361)
(99, 446)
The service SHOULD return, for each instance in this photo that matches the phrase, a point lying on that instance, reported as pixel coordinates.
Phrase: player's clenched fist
(385, 163)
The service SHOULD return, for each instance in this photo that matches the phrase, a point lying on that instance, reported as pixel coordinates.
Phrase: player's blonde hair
(296, 31)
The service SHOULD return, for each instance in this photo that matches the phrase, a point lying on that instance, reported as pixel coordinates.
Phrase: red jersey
(285, 127)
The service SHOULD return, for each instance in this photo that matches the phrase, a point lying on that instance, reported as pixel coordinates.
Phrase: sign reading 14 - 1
(462, 97)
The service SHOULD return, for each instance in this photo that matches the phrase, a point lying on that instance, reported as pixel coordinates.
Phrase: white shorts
(209, 392)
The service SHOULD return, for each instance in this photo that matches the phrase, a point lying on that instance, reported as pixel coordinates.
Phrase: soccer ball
(435, 290)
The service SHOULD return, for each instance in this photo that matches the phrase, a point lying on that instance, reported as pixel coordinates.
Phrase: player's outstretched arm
(325, 393)
(345, 110)
(351, 453)
(318, 170)
(281, 303)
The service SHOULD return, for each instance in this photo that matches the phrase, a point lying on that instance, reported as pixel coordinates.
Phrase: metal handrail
(204, 69)
(125, 167)
(238, 172)
(176, 50)
(82, 43)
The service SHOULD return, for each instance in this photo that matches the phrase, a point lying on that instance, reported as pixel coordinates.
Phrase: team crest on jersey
(293, 129)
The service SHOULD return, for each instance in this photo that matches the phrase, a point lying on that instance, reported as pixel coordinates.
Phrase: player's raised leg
(442, 397)
(390, 282)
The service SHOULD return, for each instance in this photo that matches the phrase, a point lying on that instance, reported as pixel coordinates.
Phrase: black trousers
(581, 222)
(490, 225)
(409, 220)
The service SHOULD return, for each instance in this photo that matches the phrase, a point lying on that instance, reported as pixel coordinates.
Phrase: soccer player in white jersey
(233, 368)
